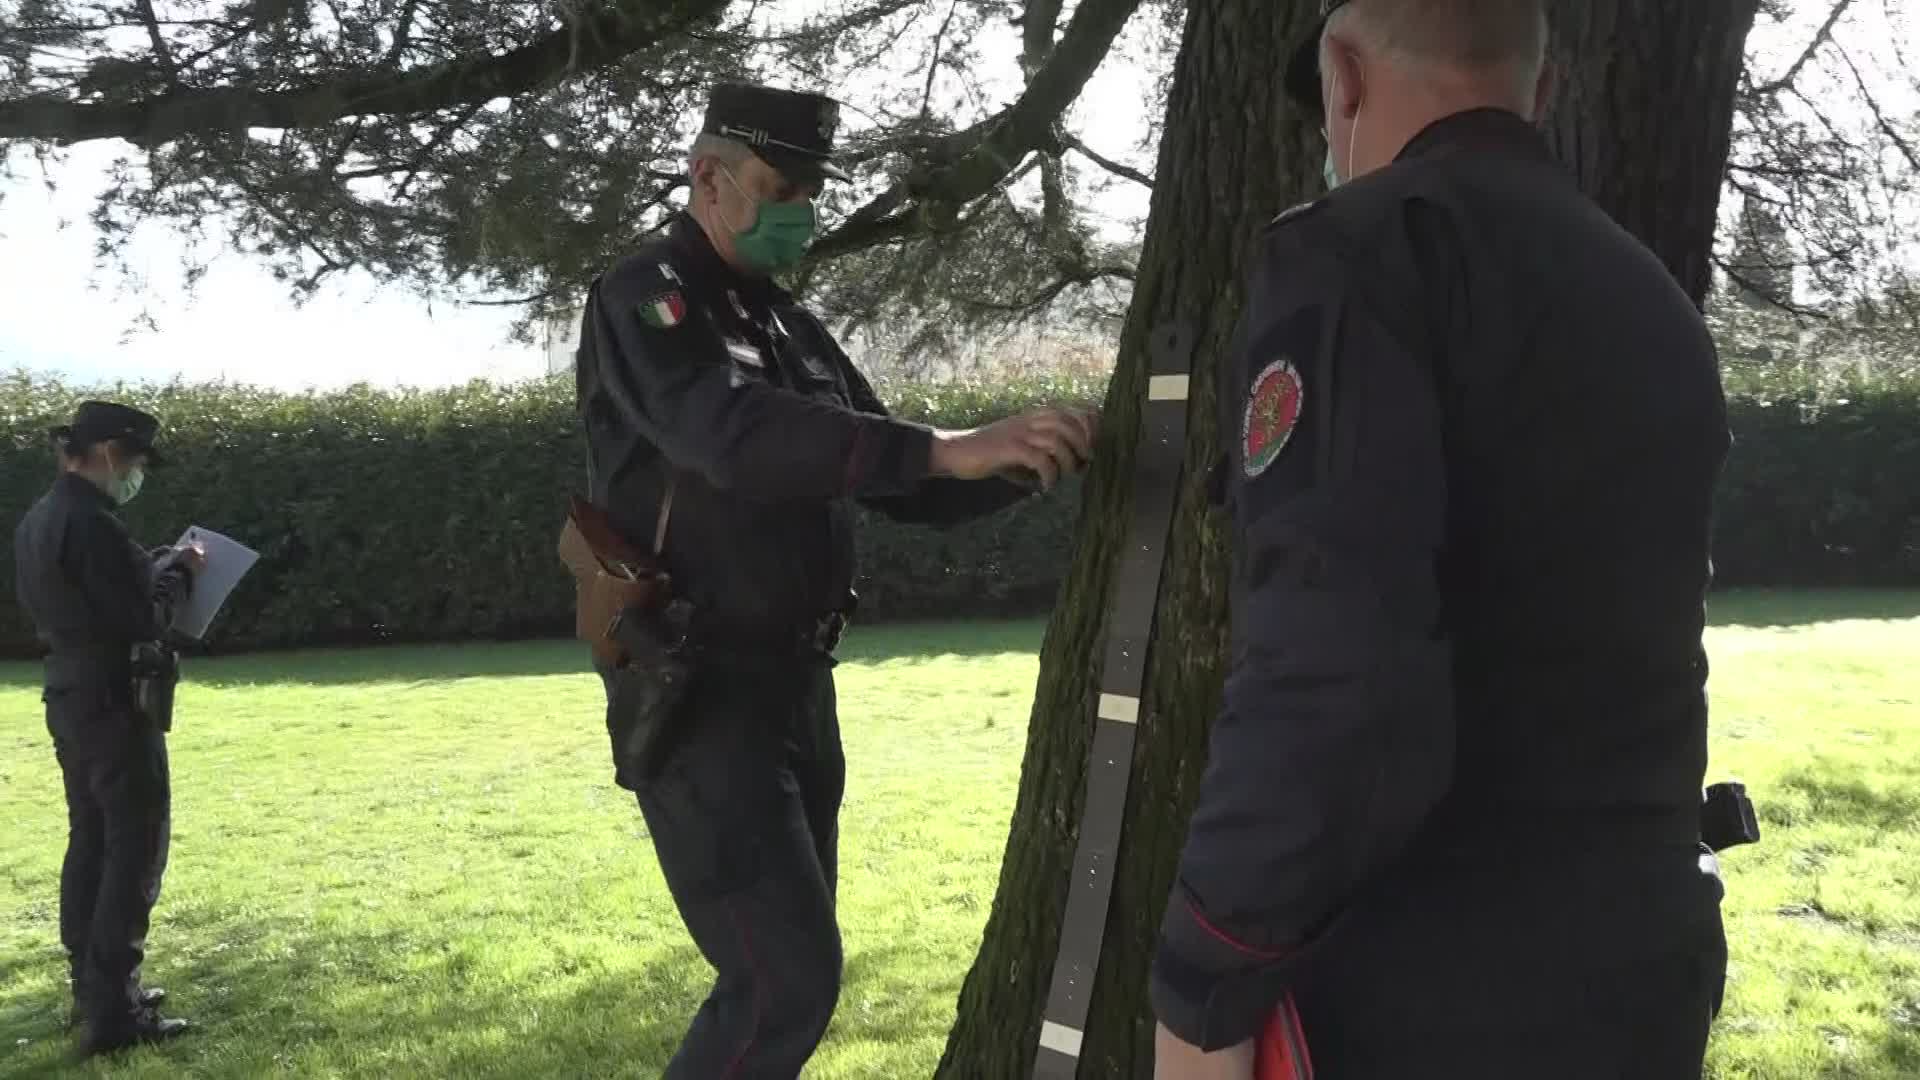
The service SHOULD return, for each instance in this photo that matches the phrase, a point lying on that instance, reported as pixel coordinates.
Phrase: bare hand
(1046, 441)
(193, 557)
(1176, 1060)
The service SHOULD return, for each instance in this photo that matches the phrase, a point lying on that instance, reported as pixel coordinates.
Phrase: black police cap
(1303, 70)
(104, 421)
(790, 130)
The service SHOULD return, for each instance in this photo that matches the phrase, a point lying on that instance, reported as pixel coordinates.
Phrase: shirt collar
(1484, 129)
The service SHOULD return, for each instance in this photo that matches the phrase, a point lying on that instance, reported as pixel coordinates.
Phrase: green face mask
(778, 236)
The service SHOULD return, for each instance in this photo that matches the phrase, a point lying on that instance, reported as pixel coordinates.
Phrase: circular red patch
(1273, 408)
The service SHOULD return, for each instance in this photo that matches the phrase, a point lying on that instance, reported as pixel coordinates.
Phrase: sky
(60, 313)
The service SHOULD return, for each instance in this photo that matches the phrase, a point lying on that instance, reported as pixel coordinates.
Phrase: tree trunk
(1644, 116)
(1232, 155)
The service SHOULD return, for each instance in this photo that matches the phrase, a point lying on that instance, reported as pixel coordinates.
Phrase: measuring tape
(1157, 464)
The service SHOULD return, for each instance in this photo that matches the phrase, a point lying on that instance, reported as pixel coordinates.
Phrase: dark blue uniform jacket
(1474, 432)
(91, 591)
(725, 381)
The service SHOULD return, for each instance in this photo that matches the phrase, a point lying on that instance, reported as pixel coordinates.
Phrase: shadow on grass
(404, 664)
(1763, 608)
(1835, 794)
(386, 1004)
(259, 1018)
(1890, 1052)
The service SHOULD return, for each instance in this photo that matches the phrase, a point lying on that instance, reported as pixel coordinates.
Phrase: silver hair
(729, 152)
(1480, 36)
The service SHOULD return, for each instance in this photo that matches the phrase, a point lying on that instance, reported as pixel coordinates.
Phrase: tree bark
(1644, 117)
(1650, 98)
(1233, 154)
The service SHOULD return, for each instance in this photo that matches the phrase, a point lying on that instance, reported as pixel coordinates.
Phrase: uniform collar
(79, 487)
(1486, 129)
(691, 241)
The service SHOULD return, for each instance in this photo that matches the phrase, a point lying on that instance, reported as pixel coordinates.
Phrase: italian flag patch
(664, 312)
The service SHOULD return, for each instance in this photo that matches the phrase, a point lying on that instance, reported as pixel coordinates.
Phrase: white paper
(228, 561)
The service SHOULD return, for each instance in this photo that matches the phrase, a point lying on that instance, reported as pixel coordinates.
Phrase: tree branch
(160, 51)
(233, 34)
(1037, 26)
(305, 237)
(344, 148)
(596, 38)
(1762, 292)
(933, 62)
(968, 164)
(1880, 117)
(818, 31)
(1820, 39)
(402, 36)
(1833, 130)
(115, 24)
(518, 301)
(1072, 142)
(1085, 275)
(439, 139)
(669, 185)
(1784, 173)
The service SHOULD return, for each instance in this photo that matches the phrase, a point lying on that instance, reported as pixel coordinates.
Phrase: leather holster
(612, 581)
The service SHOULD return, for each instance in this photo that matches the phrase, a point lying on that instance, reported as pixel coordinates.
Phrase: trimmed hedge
(1822, 487)
(431, 515)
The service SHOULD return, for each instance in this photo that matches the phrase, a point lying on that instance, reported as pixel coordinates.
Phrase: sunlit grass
(413, 863)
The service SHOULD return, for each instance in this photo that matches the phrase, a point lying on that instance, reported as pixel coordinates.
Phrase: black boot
(150, 998)
(147, 1029)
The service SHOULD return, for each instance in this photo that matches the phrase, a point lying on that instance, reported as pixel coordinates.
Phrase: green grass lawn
(412, 862)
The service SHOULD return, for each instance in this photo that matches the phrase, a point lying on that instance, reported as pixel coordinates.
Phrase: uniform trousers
(743, 808)
(1563, 965)
(113, 761)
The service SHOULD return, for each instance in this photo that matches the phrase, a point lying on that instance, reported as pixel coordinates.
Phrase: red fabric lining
(1305, 1067)
(1281, 1053)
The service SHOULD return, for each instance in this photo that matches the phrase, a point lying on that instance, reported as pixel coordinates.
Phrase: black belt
(79, 662)
(1158, 458)
(808, 638)
(1523, 832)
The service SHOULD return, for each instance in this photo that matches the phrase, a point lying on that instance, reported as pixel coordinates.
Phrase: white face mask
(129, 485)
(1327, 170)
(123, 486)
